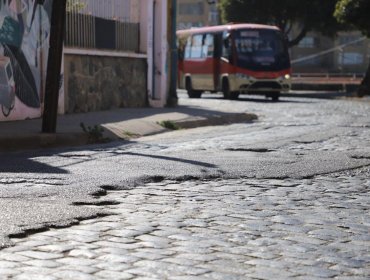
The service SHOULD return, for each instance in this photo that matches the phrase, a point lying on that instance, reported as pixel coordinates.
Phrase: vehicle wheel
(275, 97)
(234, 95)
(191, 92)
(226, 88)
(228, 94)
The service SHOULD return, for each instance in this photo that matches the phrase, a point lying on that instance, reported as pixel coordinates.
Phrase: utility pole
(57, 28)
(172, 98)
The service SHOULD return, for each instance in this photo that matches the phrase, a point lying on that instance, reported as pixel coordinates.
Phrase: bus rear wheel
(191, 92)
(228, 94)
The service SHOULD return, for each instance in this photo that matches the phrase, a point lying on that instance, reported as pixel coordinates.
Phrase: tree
(356, 13)
(308, 15)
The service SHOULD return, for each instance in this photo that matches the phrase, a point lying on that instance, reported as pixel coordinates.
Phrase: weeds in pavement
(128, 135)
(169, 125)
(94, 133)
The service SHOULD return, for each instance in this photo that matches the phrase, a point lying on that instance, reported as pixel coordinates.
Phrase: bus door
(223, 57)
(218, 43)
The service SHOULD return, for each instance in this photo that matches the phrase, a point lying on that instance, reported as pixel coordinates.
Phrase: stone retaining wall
(95, 83)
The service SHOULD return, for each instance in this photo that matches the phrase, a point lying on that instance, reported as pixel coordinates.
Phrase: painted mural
(24, 44)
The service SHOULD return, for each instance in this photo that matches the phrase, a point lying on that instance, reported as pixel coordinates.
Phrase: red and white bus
(233, 59)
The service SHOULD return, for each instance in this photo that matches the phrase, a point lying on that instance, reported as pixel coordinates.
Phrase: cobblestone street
(223, 229)
(284, 197)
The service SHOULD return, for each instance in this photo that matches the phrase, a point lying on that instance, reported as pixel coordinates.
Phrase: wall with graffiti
(24, 44)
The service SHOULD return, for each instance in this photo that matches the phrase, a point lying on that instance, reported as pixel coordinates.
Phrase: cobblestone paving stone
(221, 229)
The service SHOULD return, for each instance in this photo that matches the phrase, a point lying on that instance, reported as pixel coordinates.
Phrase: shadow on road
(192, 162)
(26, 162)
(318, 94)
(23, 163)
(293, 94)
(253, 98)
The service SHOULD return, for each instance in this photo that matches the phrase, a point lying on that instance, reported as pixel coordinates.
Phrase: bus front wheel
(274, 96)
(191, 92)
(228, 94)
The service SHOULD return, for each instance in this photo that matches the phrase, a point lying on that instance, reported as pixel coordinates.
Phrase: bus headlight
(285, 78)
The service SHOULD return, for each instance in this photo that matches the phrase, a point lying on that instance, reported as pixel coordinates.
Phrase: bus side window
(196, 46)
(226, 46)
(188, 48)
(208, 45)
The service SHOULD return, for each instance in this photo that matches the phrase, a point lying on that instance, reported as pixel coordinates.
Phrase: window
(191, 8)
(199, 46)
(194, 46)
(213, 17)
(350, 58)
(226, 46)
(309, 42)
(350, 40)
(208, 46)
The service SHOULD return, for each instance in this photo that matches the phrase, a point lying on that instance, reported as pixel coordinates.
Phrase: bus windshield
(261, 50)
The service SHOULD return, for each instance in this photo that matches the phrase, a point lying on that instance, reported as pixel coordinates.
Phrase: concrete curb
(124, 130)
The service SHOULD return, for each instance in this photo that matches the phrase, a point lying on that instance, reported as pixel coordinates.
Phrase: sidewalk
(118, 124)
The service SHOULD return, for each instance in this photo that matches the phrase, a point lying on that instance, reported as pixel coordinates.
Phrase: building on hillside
(196, 13)
(347, 53)
(111, 57)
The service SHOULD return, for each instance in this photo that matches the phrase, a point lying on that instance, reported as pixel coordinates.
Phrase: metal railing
(108, 24)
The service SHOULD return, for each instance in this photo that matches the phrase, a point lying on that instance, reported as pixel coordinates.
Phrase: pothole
(95, 203)
(254, 150)
(360, 156)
